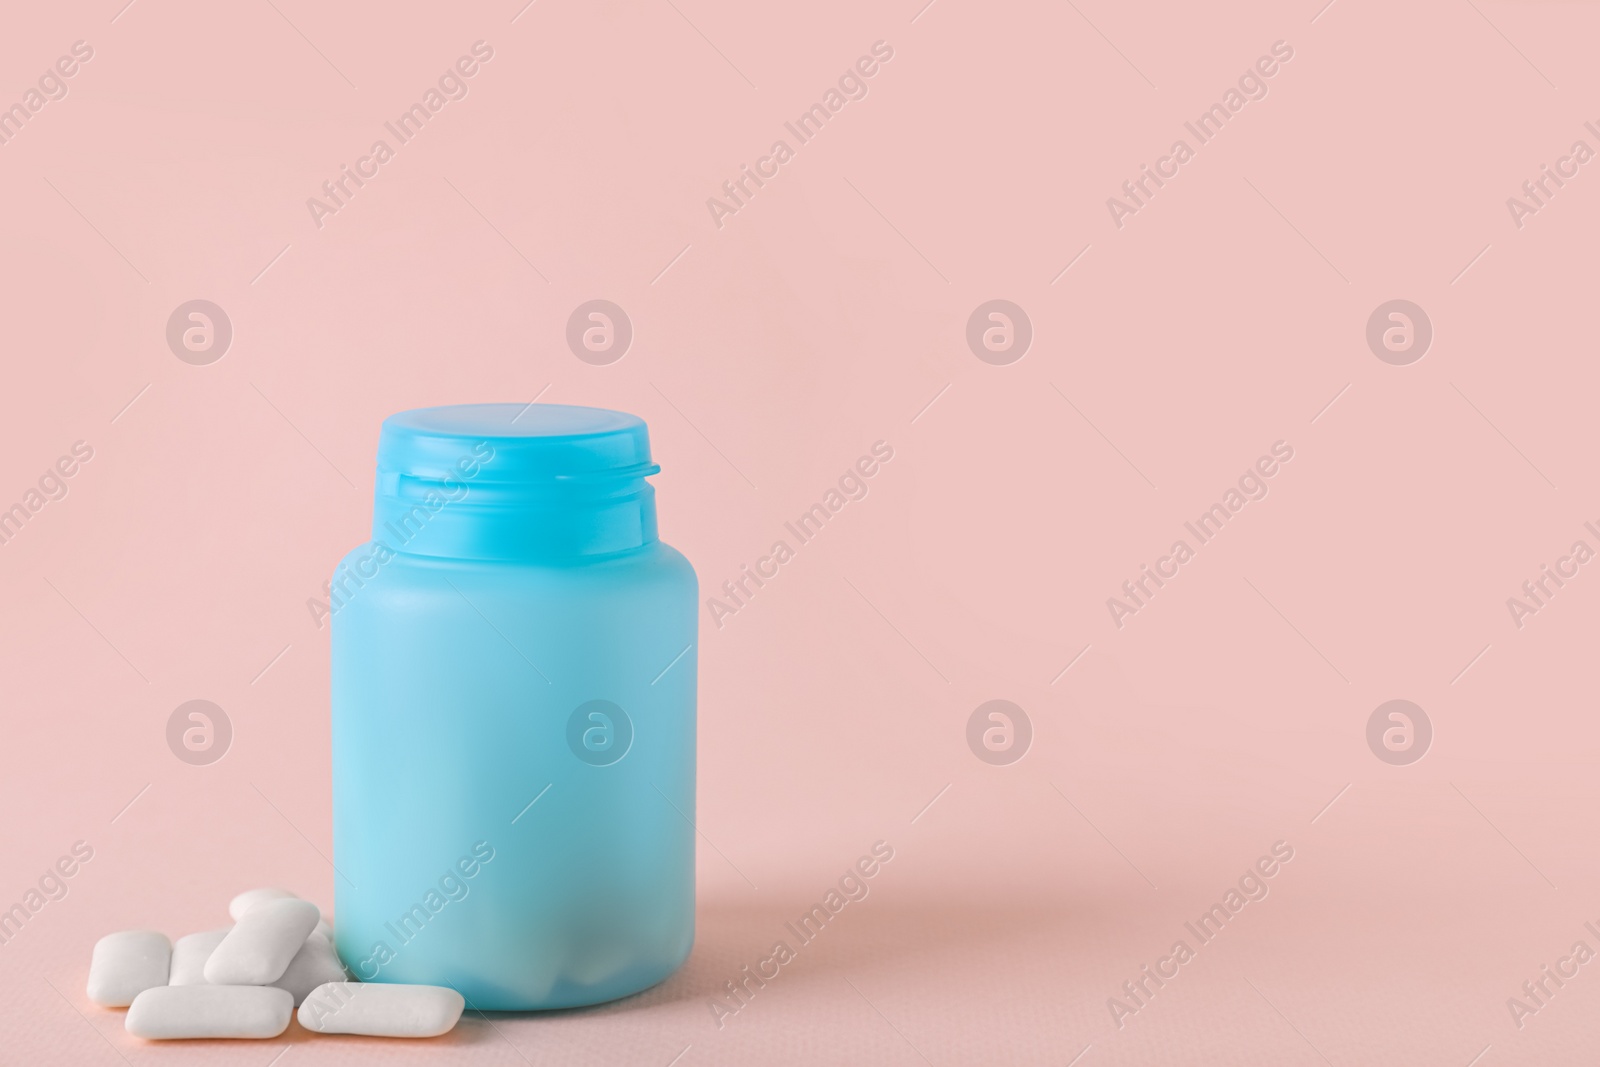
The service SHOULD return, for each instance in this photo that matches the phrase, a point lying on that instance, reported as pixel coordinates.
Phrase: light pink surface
(828, 313)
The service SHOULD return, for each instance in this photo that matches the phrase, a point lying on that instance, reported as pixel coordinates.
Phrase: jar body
(514, 769)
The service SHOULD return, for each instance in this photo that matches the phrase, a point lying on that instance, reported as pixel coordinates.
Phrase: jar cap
(531, 442)
(514, 481)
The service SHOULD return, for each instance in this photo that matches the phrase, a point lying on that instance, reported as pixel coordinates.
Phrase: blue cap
(513, 481)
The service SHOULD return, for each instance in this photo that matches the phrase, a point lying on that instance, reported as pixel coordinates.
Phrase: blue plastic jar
(514, 713)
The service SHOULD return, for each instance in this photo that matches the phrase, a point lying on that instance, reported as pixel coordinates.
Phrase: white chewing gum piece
(251, 897)
(259, 947)
(381, 1009)
(314, 965)
(189, 955)
(126, 964)
(208, 1011)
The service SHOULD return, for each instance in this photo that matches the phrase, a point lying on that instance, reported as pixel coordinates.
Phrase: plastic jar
(513, 666)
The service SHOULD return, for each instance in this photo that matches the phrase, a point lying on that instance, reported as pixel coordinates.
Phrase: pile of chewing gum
(245, 980)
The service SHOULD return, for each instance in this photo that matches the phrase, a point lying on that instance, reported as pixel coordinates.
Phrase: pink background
(830, 312)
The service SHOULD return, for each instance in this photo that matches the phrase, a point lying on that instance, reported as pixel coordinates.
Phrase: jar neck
(562, 519)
